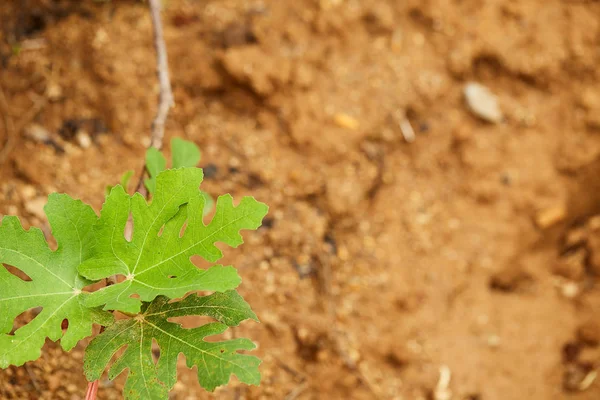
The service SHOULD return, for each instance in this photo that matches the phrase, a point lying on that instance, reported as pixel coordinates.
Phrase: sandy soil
(472, 250)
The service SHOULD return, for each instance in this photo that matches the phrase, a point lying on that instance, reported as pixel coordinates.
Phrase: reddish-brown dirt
(383, 263)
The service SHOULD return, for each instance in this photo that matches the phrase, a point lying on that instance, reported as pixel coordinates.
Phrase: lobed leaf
(216, 361)
(157, 260)
(55, 284)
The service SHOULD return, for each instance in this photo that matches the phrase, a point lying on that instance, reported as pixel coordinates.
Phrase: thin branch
(297, 391)
(165, 98)
(34, 381)
(9, 127)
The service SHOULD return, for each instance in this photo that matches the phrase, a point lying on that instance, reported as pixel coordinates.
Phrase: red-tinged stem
(92, 390)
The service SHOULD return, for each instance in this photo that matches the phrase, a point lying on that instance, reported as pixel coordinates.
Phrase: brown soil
(383, 262)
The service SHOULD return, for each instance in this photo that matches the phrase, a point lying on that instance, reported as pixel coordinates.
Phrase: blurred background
(431, 167)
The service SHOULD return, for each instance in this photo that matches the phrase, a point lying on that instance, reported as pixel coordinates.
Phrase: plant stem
(92, 390)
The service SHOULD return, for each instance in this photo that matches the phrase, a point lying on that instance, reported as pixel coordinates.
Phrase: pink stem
(92, 390)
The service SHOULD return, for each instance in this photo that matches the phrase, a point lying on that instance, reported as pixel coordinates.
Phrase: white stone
(482, 102)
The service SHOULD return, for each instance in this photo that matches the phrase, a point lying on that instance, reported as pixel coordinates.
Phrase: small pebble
(72, 388)
(37, 133)
(54, 91)
(346, 121)
(83, 140)
(551, 216)
(482, 102)
(27, 192)
(569, 290)
(493, 341)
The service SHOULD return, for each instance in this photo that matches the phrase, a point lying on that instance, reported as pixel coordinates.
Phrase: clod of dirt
(510, 279)
(182, 19)
(482, 102)
(588, 333)
(571, 351)
(348, 185)
(306, 181)
(236, 34)
(379, 19)
(589, 356)
(272, 322)
(575, 237)
(298, 240)
(253, 68)
(594, 258)
(571, 265)
(461, 135)
(410, 302)
(399, 356)
(303, 75)
(589, 100)
(310, 342)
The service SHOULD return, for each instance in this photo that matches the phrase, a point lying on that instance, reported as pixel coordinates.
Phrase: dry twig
(9, 127)
(165, 98)
(34, 380)
(13, 129)
(297, 391)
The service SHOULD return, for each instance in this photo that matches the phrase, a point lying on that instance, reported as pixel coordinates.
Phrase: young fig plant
(156, 281)
(183, 154)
